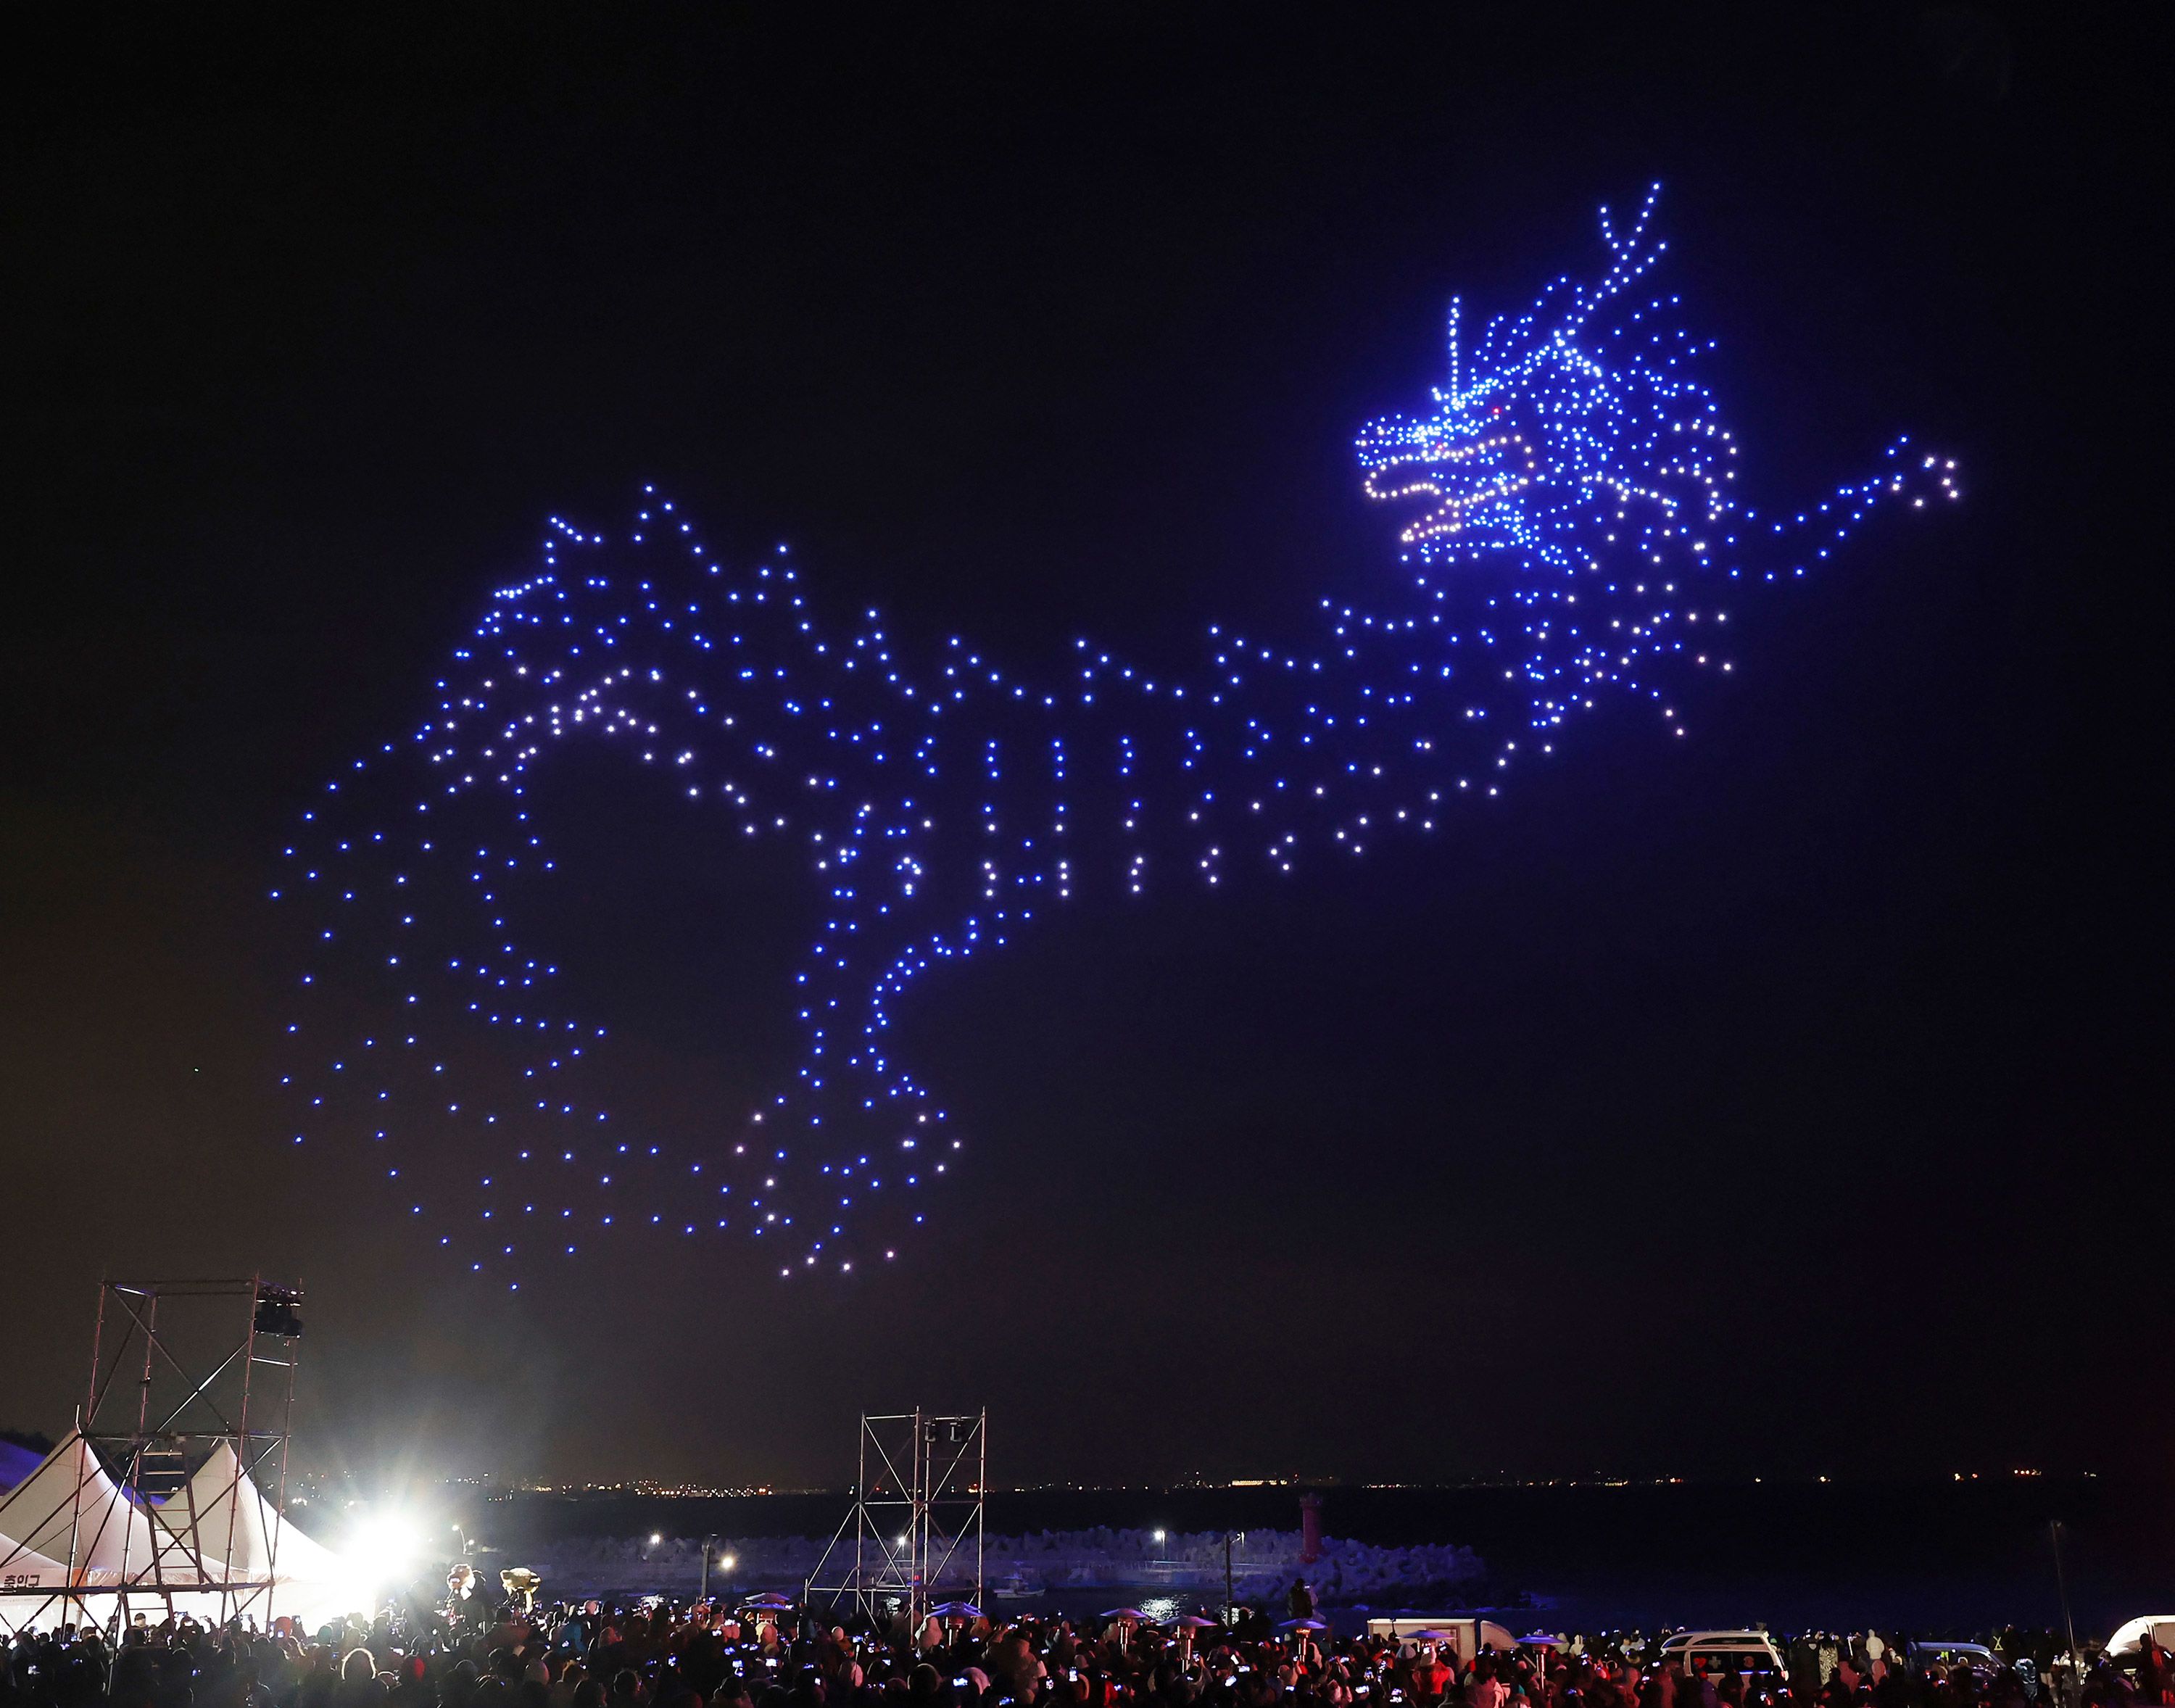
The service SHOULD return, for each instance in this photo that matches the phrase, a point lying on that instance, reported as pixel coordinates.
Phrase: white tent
(216, 1531)
(221, 1517)
(223, 1513)
(23, 1568)
(69, 1509)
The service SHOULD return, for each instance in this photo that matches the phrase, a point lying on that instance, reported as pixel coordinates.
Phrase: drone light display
(1569, 541)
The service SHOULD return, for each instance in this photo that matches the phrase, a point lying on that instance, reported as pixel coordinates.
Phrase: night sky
(1789, 1098)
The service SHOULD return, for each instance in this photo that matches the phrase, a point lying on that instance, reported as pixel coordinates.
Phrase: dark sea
(1943, 1558)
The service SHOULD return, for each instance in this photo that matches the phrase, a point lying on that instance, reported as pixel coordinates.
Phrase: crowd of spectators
(708, 1655)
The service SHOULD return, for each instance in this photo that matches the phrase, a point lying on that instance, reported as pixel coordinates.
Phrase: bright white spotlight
(380, 1553)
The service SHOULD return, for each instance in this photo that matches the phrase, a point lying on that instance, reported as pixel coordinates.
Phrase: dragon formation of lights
(1570, 538)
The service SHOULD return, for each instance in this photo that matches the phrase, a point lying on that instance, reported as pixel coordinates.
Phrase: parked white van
(1467, 1636)
(1723, 1652)
(2129, 1639)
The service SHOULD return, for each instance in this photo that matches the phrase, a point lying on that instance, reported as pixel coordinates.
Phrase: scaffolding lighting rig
(913, 1542)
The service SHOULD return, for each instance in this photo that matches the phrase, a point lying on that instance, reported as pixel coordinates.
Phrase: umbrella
(1302, 1625)
(955, 1610)
(1194, 1621)
(1125, 1613)
(1540, 1639)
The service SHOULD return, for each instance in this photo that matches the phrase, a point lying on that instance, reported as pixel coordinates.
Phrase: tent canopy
(216, 1531)
(68, 1510)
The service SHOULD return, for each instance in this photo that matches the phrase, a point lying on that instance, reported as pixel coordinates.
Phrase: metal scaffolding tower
(914, 1538)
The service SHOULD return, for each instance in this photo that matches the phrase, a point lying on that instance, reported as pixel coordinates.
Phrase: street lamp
(725, 1564)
